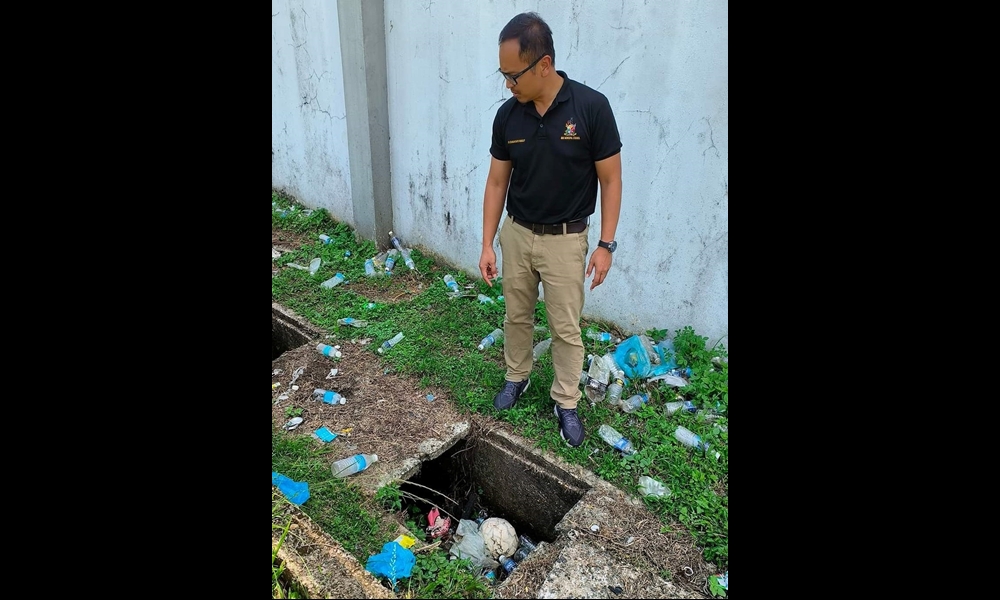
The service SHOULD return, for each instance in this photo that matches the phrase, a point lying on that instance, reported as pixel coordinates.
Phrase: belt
(557, 229)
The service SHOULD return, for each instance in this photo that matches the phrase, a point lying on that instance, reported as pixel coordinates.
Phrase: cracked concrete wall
(309, 152)
(664, 66)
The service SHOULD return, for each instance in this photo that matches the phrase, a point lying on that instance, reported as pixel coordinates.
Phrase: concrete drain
(288, 331)
(493, 473)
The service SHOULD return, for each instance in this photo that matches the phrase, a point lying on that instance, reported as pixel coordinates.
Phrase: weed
(292, 411)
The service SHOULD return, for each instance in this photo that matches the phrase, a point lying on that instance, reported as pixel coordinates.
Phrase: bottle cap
(374, 457)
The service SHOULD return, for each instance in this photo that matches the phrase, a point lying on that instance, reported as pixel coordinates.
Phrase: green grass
(440, 350)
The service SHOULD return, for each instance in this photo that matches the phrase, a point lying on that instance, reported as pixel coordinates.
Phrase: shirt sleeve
(604, 139)
(498, 148)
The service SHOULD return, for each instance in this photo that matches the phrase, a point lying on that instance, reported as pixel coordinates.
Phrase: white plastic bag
(471, 545)
(652, 487)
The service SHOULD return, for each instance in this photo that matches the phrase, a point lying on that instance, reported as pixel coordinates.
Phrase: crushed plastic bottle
(672, 407)
(484, 299)
(615, 388)
(540, 348)
(328, 396)
(390, 343)
(352, 322)
(652, 487)
(635, 403)
(615, 439)
(333, 281)
(329, 351)
(354, 464)
(495, 336)
(379, 260)
(690, 439)
(325, 238)
(599, 372)
(525, 547)
(314, 265)
(370, 270)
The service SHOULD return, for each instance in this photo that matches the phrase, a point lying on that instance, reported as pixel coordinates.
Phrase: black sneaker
(509, 394)
(570, 427)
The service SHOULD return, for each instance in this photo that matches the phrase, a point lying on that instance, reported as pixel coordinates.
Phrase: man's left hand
(600, 264)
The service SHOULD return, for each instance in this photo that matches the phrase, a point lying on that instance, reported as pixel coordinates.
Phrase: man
(552, 143)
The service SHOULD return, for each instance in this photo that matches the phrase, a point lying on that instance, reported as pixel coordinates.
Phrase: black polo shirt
(554, 179)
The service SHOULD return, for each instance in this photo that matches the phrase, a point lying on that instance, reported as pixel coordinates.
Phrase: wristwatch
(609, 246)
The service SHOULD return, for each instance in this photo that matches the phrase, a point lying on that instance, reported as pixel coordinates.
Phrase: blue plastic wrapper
(297, 492)
(633, 359)
(394, 563)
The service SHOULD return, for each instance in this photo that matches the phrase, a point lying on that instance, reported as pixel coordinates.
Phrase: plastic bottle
(599, 373)
(354, 464)
(494, 336)
(352, 322)
(652, 487)
(601, 336)
(325, 238)
(540, 348)
(370, 270)
(508, 564)
(615, 388)
(525, 547)
(452, 284)
(650, 350)
(379, 259)
(390, 260)
(484, 299)
(406, 259)
(314, 265)
(329, 351)
(390, 343)
(689, 438)
(672, 407)
(328, 396)
(635, 403)
(395, 242)
(333, 281)
(615, 439)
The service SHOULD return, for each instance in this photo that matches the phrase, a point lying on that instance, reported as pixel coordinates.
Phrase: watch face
(613, 246)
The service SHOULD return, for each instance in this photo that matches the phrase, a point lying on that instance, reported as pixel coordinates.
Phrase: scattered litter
(275, 385)
(324, 435)
(347, 253)
(296, 373)
(293, 423)
(328, 396)
(689, 571)
(325, 238)
(295, 388)
(283, 396)
(333, 281)
(629, 541)
(484, 299)
(616, 590)
(297, 492)
(275, 254)
(595, 528)
(346, 431)
(371, 305)
(405, 541)
(723, 581)
(333, 373)
(297, 266)
(430, 397)
(652, 487)
(365, 341)
(670, 380)
(277, 372)
(314, 265)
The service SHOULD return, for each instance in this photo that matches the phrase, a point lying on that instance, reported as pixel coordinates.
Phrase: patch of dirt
(384, 413)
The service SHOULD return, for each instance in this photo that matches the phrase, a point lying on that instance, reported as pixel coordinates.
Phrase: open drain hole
(489, 473)
(285, 334)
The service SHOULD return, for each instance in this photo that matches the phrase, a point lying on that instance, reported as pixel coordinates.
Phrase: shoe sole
(526, 386)
(555, 410)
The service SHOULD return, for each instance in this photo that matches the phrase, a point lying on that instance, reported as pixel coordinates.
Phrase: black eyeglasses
(513, 78)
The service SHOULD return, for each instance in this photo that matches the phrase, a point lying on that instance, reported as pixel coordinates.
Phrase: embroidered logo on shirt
(570, 132)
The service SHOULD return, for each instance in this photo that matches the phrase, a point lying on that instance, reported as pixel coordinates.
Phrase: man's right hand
(488, 265)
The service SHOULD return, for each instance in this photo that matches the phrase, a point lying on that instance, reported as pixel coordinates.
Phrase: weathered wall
(664, 66)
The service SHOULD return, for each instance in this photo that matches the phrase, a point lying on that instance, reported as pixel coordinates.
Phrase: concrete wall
(664, 66)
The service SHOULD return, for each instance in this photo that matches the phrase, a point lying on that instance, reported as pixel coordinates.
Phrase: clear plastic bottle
(599, 336)
(329, 351)
(525, 547)
(650, 350)
(495, 336)
(314, 265)
(452, 284)
(652, 487)
(333, 281)
(325, 238)
(615, 388)
(690, 438)
(328, 396)
(672, 407)
(354, 464)
(407, 260)
(390, 343)
(379, 259)
(615, 439)
(370, 270)
(599, 373)
(635, 403)
(352, 322)
(395, 242)
(484, 299)
(540, 348)
(508, 564)
(390, 260)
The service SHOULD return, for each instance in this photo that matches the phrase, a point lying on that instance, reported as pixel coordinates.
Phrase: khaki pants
(559, 262)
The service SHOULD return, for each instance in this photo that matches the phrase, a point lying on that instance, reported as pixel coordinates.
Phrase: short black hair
(533, 35)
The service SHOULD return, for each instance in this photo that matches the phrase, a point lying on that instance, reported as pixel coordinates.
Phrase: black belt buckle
(540, 230)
